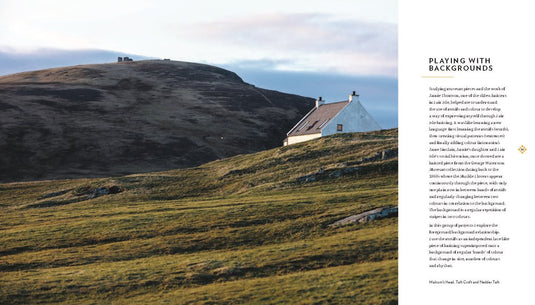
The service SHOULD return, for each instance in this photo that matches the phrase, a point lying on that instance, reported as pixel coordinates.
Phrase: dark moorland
(131, 117)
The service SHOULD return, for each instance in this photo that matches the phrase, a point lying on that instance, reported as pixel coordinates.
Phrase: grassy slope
(235, 230)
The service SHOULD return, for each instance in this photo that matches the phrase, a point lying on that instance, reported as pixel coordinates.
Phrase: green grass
(237, 230)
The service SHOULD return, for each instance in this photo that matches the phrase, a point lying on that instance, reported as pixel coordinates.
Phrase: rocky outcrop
(94, 192)
(368, 216)
(380, 156)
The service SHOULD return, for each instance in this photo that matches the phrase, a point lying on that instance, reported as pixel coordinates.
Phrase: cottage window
(303, 126)
(339, 127)
(323, 124)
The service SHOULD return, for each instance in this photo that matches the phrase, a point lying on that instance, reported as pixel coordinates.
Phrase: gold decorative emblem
(522, 149)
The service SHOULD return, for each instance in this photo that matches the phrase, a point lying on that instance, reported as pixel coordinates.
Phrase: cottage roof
(317, 118)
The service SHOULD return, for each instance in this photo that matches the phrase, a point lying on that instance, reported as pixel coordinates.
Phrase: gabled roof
(317, 118)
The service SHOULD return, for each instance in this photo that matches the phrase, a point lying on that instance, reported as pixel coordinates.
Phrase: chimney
(354, 96)
(319, 102)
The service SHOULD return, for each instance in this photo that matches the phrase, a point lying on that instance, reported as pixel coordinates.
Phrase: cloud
(303, 42)
(260, 64)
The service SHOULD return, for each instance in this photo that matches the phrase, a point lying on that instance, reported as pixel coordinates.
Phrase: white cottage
(330, 118)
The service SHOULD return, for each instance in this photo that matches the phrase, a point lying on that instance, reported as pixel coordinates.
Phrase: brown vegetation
(131, 117)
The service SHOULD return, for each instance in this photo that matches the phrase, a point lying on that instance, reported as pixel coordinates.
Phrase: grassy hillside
(131, 117)
(251, 228)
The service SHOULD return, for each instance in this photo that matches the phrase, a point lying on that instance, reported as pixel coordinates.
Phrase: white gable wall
(296, 139)
(354, 118)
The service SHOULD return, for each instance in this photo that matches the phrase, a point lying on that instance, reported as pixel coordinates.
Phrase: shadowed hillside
(131, 117)
(250, 229)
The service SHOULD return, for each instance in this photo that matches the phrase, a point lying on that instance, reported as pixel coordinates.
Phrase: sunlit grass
(234, 230)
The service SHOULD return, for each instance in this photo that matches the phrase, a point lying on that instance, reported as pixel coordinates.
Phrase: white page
(501, 32)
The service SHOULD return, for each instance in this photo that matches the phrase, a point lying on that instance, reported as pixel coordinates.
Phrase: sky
(268, 43)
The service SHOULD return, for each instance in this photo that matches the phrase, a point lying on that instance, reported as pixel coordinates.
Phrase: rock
(97, 192)
(115, 189)
(336, 174)
(380, 156)
(389, 154)
(306, 178)
(368, 216)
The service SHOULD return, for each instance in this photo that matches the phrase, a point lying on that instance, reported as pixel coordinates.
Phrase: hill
(131, 117)
(251, 228)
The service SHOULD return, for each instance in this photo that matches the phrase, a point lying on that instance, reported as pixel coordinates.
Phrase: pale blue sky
(341, 36)
(338, 38)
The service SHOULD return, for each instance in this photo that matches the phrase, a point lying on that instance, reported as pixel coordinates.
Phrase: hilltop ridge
(130, 117)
